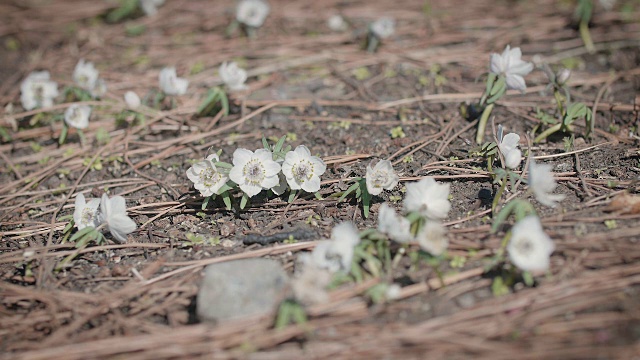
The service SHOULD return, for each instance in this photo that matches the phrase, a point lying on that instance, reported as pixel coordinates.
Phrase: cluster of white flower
(233, 76)
(110, 212)
(254, 171)
(427, 201)
(37, 90)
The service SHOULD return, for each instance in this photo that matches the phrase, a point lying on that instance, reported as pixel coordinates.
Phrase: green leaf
(497, 96)
(226, 198)
(81, 233)
(63, 134)
(265, 143)
(205, 202)
(292, 196)
(317, 195)
(126, 8)
(351, 189)
(244, 200)
(366, 198)
(279, 144)
(491, 79)
(68, 227)
(498, 86)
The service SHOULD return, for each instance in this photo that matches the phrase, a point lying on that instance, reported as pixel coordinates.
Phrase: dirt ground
(321, 89)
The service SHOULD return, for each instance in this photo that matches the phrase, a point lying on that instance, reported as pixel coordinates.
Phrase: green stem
(546, 133)
(586, 37)
(496, 199)
(482, 125)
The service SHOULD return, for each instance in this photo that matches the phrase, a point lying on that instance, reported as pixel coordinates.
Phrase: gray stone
(240, 288)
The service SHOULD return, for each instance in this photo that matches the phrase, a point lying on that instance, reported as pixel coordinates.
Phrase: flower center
(379, 178)
(210, 176)
(253, 172)
(302, 171)
(88, 215)
(525, 246)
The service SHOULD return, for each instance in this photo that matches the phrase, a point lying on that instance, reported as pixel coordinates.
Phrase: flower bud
(562, 76)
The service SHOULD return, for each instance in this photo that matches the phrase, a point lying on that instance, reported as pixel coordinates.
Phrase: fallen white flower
(85, 213)
(393, 292)
(397, 227)
(254, 171)
(37, 90)
(150, 7)
(432, 238)
(383, 27)
(542, 184)
(302, 170)
(85, 75)
(252, 12)
(100, 89)
(428, 198)
(529, 247)
(508, 146)
(113, 213)
(206, 178)
(233, 76)
(381, 176)
(77, 116)
(510, 64)
(171, 84)
(309, 283)
(337, 23)
(132, 100)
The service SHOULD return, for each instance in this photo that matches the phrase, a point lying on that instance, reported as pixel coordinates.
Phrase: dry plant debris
(404, 83)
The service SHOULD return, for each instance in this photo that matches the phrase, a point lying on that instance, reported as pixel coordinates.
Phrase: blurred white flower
(150, 7)
(563, 76)
(433, 238)
(206, 177)
(113, 213)
(85, 74)
(397, 227)
(77, 116)
(302, 170)
(383, 27)
(37, 90)
(336, 23)
(428, 198)
(393, 292)
(252, 12)
(86, 213)
(254, 171)
(100, 89)
(233, 76)
(335, 254)
(309, 284)
(607, 4)
(381, 176)
(512, 67)
(508, 146)
(171, 84)
(542, 184)
(529, 247)
(132, 100)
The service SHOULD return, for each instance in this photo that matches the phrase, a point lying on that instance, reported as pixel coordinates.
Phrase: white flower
(254, 171)
(150, 7)
(171, 84)
(383, 27)
(393, 292)
(77, 116)
(432, 238)
(428, 198)
(335, 254)
(100, 89)
(607, 4)
(252, 12)
(132, 99)
(563, 76)
(511, 65)
(85, 213)
(529, 247)
(542, 183)
(113, 212)
(508, 146)
(381, 176)
(233, 76)
(303, 170)
(337, 23)
(206, 177)
(397, 227)
(310, 282)
(85, 75)
(38, 91)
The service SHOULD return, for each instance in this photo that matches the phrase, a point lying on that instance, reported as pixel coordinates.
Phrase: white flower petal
(529, 247)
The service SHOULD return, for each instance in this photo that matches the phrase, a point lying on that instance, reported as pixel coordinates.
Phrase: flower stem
(548, 132)
(496, 198)
(483, 123)
(586, 37)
